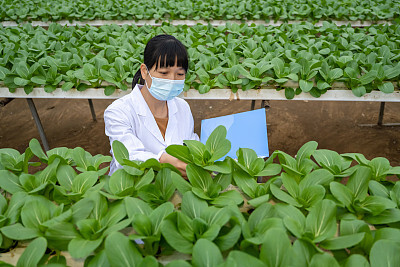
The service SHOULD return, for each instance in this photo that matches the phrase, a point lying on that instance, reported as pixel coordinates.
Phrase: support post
(38, 123)
(92, 109)
(381, 113)
(253, 103)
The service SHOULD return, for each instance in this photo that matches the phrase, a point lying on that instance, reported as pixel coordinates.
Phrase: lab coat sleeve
(117, 127)
(193, 135)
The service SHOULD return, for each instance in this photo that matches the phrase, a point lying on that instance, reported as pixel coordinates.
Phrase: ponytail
(137, 79)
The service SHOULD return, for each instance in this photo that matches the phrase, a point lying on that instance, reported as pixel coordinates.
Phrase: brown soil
(334, 125)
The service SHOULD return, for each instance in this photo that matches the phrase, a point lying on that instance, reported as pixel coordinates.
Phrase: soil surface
(334, 125)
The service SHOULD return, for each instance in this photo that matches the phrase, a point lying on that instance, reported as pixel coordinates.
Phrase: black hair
(163, 50)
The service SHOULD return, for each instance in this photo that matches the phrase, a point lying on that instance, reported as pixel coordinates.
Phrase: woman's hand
(180, 165)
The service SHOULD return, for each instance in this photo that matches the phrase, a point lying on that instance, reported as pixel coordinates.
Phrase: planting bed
(319, 208)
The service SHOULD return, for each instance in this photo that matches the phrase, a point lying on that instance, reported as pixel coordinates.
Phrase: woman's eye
(163, 72)
(181, 74)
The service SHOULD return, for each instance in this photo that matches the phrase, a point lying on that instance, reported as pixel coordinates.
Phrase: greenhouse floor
(334, 125)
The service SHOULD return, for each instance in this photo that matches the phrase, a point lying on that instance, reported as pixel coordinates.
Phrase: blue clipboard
(244, 130)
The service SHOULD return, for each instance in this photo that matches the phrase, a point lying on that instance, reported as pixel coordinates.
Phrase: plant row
(317, 209)
(235, 56)
(54, 10)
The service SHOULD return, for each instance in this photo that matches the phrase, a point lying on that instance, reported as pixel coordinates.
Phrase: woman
(151, 117)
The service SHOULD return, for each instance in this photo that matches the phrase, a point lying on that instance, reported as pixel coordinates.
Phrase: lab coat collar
(148, 119)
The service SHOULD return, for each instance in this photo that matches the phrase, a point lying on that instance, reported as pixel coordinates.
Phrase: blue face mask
(165, 89)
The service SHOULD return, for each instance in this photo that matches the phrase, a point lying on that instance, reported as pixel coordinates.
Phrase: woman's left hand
(180, 165)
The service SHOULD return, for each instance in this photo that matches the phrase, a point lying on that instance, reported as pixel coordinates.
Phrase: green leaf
(60, 234)
(277, 249)
(335, 74)
(100, 259)
(33, 253)
(9, 182)
(289, 93)
(132, 170)
(22, 69)
(198, 151)
(342, 193)
(180, 183)
(384, 253)
(356, 260)
(37, 150)
(304, 251)
(158, 215)
(321, 221)
(387, 88)
(142, 224)
(358, 182)
(37, 211)
(19, 232)
(388, 234)
(65, 175)
(368, 77)
(378, 189)
(227, 198)
(385, 217)
(342, 242)
(82, 209)
(121, 251)
(245, 182)
(206, 254)
(39, 80)
(67, 86)
(173, 237)
(290, 184)
(21, 82)
(81, 248)
(219, 167)
(120, 152)
(192, 206)
(318, 177)
(278, 65)
(359, 91)
(217, 144)
(306, 86)
(242, 259)
(312, 194)
(84, 181)
(198, 177)
(136, 206)
(255, 202)
(120, 181)
(294, 226)
(283, 196)
(228, 240)
(266, 210)
(325, 259)
(180, 152)
(270, 169)
(375, 204)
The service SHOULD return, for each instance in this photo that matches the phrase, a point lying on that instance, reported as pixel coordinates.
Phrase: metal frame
(214, 94)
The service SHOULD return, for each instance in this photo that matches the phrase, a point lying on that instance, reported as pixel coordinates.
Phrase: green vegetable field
(318, 209)
(53, 10)
(232, 56)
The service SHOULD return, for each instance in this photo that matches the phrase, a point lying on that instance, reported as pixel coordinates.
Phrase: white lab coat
(130, 121)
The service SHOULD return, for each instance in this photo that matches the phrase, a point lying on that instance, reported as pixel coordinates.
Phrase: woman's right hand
(180, 165)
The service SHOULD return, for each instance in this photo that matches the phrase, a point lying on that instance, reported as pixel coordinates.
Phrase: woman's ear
(143, 71)
(145, 74)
